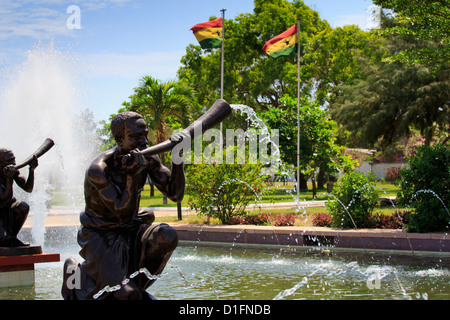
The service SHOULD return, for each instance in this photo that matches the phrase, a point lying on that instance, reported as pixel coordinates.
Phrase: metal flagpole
(298, 112)
(221, 72)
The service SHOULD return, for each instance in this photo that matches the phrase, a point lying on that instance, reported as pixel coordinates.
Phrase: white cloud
(39, 18)
(31, 21)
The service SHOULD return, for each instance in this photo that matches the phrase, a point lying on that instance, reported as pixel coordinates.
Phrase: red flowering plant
(322, 220)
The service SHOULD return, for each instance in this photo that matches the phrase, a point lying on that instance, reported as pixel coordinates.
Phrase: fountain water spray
(40, 99)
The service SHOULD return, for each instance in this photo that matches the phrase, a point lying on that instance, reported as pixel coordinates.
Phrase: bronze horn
(215, 115)
(47, 145)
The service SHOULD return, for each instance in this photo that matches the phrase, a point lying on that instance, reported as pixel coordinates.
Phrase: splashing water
(434, 194)
(264, 136)
(40, 100)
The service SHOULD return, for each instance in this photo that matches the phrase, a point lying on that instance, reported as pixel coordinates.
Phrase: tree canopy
(379, 84)
(425, 20)
(392, 97)
(250, 76)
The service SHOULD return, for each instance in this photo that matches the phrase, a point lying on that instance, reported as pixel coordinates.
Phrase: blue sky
(121, 40)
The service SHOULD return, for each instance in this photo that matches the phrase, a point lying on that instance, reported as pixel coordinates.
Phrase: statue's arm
(169, 183)
(6, 189)
(27, 184)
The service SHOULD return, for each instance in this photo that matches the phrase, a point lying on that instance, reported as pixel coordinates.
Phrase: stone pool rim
(324, 238)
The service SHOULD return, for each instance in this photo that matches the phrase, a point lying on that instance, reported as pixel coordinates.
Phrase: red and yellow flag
(284, 44)
(209, 34)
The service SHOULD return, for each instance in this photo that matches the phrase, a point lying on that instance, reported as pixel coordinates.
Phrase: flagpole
(221, 72)
(298, 112)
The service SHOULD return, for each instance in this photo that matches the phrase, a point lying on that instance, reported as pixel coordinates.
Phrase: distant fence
(378, 169)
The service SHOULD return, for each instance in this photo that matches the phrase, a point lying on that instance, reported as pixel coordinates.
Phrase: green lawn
(275, 192)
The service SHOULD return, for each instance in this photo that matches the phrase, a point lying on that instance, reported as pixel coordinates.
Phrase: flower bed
(286, 219)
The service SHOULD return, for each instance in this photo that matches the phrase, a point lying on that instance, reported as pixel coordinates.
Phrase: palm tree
(158, 101)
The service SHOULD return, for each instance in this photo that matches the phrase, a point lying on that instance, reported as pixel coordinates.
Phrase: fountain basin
(372, 239)
(17, 264)
(210, 271)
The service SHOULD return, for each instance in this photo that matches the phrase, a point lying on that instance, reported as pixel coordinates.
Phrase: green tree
(356, 197)
(223, 190)
(333, 58)
(400, 98)
(317, 138)
(251, 77)
(399, 95)
(425, 187)
(424, 20)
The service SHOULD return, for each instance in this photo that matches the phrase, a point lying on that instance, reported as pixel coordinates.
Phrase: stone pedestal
(17, 264)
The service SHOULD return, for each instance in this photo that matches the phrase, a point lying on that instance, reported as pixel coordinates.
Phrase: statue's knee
(22, 208)
(168, 236)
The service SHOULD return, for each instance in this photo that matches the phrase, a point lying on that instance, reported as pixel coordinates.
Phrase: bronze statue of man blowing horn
(13, 213)
(118, 238)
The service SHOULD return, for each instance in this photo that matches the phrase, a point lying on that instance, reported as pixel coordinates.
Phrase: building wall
(378, 169)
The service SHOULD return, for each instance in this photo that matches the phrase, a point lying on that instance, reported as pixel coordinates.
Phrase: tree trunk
(313, 180)
(303, 182)
(321, 179)
(180, 217)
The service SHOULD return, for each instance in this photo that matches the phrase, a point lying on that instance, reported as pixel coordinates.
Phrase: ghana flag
(209, 34)
(284, 44)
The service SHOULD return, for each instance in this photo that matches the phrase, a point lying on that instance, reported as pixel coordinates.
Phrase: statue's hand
(34, 163)
(133, 162)
(179, 137)
(10, 171)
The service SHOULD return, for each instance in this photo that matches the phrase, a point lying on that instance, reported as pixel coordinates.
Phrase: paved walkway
(69, 216)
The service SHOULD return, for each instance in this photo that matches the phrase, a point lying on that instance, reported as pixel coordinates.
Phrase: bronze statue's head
(130, 131)
(6, 157)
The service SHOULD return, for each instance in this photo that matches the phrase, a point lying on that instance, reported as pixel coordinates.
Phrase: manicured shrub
(356, 197)
(397, 220)
(425, 187)
(259, 219)
(392, 174)
(223, 191)
(286, 219)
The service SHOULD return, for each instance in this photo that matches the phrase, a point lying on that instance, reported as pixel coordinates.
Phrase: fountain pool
(205, 271)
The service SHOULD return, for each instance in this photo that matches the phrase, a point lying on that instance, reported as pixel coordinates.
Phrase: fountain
(287, 268)
(41, 99)
(38, 100)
